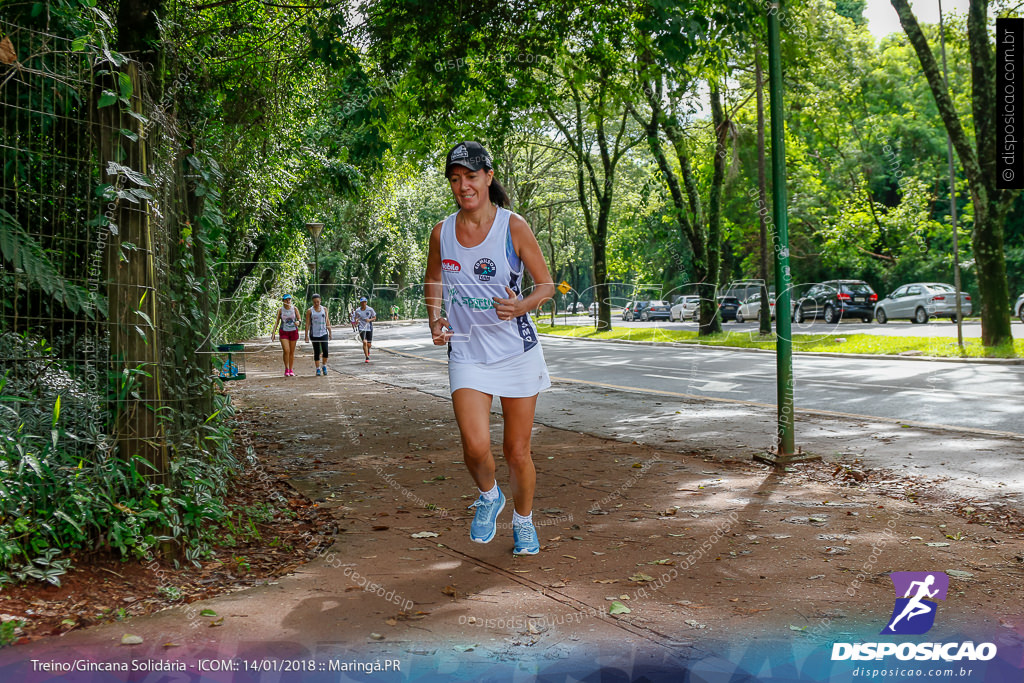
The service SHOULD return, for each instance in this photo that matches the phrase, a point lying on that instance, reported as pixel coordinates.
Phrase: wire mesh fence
(106, 340)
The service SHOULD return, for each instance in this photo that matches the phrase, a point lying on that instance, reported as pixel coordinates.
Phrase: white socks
(519, 519)
(490, 495)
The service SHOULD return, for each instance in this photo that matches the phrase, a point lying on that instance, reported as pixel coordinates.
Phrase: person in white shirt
(363, 318)
(475, 267)
(318, 326)
(287, 323)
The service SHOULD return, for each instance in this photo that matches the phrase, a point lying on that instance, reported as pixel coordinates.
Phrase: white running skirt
(521, 376)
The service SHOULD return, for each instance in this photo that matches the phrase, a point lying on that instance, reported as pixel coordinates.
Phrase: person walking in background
(288, 324)
(475, 267)
(363, 318)
(318, 326)
(394, 311)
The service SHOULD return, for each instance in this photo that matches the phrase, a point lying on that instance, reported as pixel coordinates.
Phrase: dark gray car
(920, 301)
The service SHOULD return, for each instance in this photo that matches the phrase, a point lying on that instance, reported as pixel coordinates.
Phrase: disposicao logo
(451, 266)
(915, 608)
(913, 614)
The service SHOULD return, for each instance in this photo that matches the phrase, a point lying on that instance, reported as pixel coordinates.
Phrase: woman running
(363, 318)
(475, 266)
(318, 325)
(288, 324)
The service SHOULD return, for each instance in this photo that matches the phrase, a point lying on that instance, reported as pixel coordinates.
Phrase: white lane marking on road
(713, 386)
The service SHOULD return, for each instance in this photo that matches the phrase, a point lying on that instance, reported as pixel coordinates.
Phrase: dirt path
(717, 560)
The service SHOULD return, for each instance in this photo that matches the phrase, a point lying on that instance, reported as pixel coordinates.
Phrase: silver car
(751, 308)
(1018, 308)
(684, 308)
(921, 301)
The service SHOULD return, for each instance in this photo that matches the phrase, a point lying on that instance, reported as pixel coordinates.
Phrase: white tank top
(289, 319)
(471, 278)
(317, 322)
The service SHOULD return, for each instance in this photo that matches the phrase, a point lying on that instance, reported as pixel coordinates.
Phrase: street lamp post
(314, 230)
(785, 451)
(952, 197)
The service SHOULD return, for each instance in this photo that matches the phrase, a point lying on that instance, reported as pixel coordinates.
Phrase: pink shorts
(293, 335)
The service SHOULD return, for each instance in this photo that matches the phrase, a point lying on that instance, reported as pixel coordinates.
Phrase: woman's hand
(508, 309)
(440, 331)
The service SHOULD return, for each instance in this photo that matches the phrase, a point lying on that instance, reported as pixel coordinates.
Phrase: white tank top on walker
(471, 278)
(289, 319)
(317, 322)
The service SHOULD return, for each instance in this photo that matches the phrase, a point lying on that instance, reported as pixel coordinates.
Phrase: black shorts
(319, 347)
(366, 335)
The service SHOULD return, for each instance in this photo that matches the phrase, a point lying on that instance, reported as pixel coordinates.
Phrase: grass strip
(942, 347)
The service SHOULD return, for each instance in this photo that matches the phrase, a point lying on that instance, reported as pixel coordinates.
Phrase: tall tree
(979, 161)
(595, 116)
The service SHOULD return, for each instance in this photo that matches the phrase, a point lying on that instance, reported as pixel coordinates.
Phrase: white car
(921, 301)
(751, 308)
(1019, 307)
(684, 308)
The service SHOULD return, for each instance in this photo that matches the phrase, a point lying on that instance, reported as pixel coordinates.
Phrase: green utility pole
(785, 452)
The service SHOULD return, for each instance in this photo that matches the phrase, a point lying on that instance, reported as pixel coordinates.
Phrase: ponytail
(498, 195)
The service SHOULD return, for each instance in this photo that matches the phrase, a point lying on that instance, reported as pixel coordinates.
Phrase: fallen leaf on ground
(618, 608)
(127, 639)
(640, 578)
(449, 590)
(425, 534)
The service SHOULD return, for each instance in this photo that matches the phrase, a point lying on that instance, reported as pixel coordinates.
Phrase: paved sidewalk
(712, 555)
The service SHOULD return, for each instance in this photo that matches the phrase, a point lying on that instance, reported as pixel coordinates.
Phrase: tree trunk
(132, 295)
(979, 163)
(721, 132)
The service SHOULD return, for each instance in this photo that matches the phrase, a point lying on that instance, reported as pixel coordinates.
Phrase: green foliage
(28, 260)
(54, 500)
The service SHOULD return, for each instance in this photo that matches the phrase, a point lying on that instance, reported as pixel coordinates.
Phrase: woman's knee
(517, 453)
(476, 449)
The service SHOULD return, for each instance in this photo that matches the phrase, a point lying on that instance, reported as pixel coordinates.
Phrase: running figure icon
(915, 607)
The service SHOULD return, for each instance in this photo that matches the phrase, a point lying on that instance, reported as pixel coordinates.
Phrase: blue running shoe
(526, 539)
(484, 524)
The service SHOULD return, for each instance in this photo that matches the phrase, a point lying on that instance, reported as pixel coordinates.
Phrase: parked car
(751, 308)
(919, 301)
(835, 300)
(655, 309)
(1019, 307)
(727, 307)
(592, 309)
(577, 307)
(630, 311)
(646, 310)
(684, 308)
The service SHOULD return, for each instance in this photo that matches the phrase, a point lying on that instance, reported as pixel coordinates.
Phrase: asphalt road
(971, 396)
